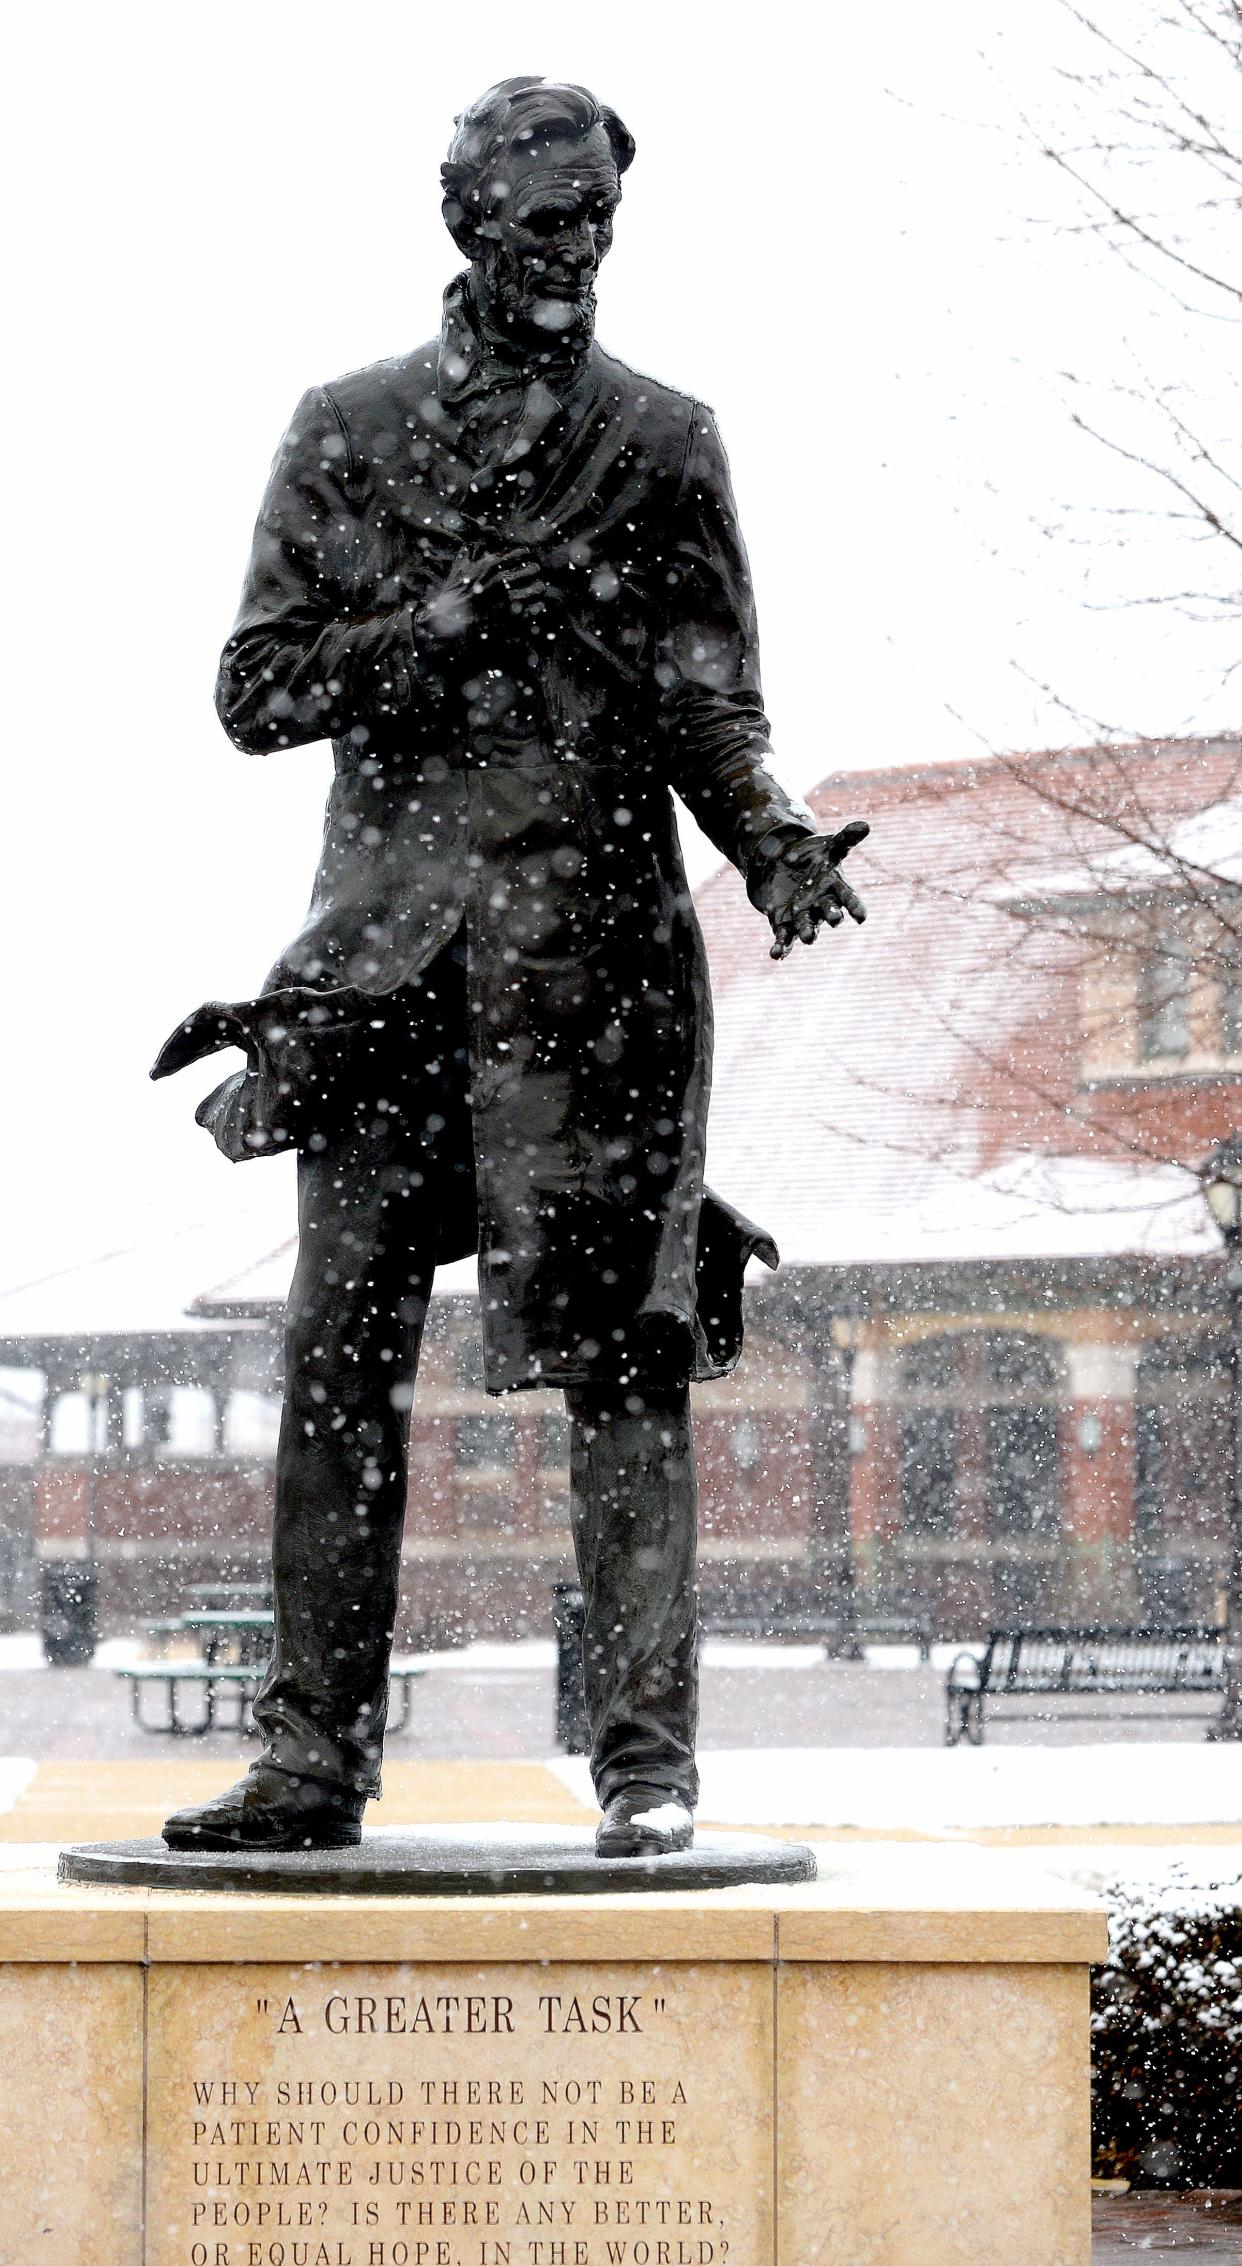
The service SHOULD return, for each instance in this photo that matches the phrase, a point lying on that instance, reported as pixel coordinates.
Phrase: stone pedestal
(887, 2066)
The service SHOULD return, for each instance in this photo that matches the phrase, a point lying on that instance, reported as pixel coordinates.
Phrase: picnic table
(219, 1683)
(213, 1683)
(228, 1596)
(234, 1643)
(238, 1639)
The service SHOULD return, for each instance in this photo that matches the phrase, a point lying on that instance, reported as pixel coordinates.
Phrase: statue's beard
(565, 321)
(532, 316)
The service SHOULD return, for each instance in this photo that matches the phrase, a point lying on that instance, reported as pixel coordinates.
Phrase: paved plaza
(790, 1741)
(1128, 2227)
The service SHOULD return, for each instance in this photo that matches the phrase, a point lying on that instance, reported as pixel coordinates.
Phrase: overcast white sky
(832, 232)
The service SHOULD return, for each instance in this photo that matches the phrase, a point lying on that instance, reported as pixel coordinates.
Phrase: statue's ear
(623, 144)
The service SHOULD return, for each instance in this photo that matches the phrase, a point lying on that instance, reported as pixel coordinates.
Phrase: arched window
(994, 1396)
(930, 1386)
(1182, 1427)
(1181, 1474)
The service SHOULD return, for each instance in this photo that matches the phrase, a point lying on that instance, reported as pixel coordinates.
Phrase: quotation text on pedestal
(533, 2126)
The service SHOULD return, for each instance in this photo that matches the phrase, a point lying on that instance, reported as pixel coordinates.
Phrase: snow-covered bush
(1166, 2033)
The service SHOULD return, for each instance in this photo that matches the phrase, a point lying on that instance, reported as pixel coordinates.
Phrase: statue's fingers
(818, 899)
(833, 915)
(852, 902)
(847, 838)
(782, 930)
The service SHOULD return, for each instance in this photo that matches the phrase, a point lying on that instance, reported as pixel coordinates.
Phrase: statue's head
(532, 182)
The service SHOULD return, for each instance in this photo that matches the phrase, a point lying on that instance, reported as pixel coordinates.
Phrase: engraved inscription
(515, 2116)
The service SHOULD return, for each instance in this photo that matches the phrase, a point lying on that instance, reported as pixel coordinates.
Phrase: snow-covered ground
(537, 1655)
(15, 1776)
(894, 1787)
(534, 1655)
(21, 1649)
(949, 1791)
(952, 1789)
(1170, 1871)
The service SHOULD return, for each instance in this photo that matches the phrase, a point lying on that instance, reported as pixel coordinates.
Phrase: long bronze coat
(520, 782)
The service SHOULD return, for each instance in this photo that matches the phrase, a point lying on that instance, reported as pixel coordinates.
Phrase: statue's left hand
(481, 585)
(803, 888)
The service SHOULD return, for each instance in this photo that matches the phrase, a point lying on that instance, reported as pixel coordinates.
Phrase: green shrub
(1166, 2034)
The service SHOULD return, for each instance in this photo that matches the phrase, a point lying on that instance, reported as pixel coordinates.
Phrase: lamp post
(95, 1390)
(1222, 1186)
(68, 1607)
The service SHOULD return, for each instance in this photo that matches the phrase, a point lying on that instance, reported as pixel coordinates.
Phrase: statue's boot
(271, 1809)
(644, 1821)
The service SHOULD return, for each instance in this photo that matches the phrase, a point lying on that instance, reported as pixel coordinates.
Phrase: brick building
(975, 1127)
(990, 1372)
(148, 1448)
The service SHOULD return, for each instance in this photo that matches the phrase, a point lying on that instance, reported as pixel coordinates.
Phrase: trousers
(370, 1194)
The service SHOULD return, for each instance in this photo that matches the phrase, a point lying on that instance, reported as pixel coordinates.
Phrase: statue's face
(549, 227)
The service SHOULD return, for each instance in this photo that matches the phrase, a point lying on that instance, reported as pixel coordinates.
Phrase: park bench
(895, 1628)
(216, 1681)
(805, 1613)
(1089, 1663)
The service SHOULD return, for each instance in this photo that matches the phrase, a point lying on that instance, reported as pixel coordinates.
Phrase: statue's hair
(513, 112)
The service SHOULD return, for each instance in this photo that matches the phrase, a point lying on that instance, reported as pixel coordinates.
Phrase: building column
(53, 1387)
(875, 1462)
(972, 1475)
(525, 1496)
(1097, 1479)
(964, 1586)
(830, 1542)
